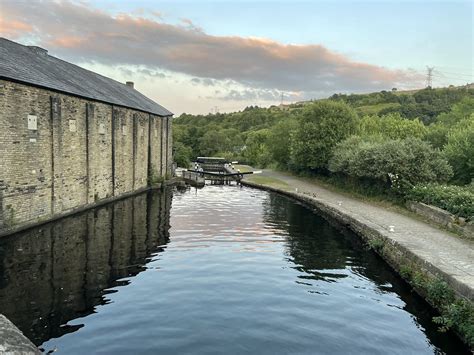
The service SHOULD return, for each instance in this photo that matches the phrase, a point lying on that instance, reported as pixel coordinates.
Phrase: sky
(223, 55)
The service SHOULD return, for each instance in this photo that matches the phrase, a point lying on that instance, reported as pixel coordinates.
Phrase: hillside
(233, 134)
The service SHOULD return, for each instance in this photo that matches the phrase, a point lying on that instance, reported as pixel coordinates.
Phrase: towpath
(449, 255)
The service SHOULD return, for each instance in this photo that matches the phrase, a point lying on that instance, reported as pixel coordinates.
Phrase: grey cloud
(252, 94)
(204, 81)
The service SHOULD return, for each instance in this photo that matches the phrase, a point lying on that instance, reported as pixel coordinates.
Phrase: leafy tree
(460, 150)
(182, 154)
(437, 133)
(256, 150)
(279, 141)
(392, 126)
(320, 127)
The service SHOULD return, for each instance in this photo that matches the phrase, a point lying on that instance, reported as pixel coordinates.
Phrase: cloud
(204, 81)
(13, 28)
(76, 31)
(257, 95)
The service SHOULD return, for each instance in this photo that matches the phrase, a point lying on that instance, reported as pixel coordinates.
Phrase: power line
(442, 76)
(457, 75)
(455, 68)
(429, 77)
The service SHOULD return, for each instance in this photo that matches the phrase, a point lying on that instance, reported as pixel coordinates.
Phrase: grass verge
(268, 181)
(244, 168)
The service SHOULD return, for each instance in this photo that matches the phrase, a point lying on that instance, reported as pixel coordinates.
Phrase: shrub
(320, 127)
(279, 142)
(182, 154)
(256, 150)
(392, 126)
(458, 200)
(459, 150)
(397, 163)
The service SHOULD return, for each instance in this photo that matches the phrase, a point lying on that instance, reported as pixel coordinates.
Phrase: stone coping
(12, 340)
(432, 260)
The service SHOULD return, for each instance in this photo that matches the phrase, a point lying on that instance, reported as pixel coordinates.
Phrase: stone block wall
(141, 150)
(156, 124)
(123, 150)
(60, 153)
(166, 147)
(67, 264)
(25, 155)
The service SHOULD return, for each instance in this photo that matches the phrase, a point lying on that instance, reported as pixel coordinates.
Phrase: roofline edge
(81, 96)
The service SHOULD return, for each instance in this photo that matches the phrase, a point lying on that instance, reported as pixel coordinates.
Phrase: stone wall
(69, 264)
(60, 153)
(443, 218)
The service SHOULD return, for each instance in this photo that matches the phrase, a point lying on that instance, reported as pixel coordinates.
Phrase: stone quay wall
(61, 153)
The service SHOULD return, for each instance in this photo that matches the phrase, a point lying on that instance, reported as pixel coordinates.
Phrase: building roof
(32, 65)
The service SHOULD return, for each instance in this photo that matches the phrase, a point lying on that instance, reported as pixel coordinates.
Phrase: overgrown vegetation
(458, 200)
(394, 142)
(456, 313)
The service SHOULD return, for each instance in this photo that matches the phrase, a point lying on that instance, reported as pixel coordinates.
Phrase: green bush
(438, 131)
(279, 142)
(256, 150)
(392, 126)
(182, 154)
(460, 150)
(397, 163)
(320, 127)
(458, 200)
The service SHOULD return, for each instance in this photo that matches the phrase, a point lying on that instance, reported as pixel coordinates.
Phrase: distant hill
(229, 134)
(424, 104)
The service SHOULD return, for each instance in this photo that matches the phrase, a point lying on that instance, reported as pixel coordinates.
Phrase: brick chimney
(129, 83)
(38, 50)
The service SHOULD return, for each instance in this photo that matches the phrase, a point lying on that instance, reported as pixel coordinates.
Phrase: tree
(256, 149)
(437, 133)
(279, 142)
(320, 127)
(182, 154)
(392, 126)
(215, 140)
(459, 150)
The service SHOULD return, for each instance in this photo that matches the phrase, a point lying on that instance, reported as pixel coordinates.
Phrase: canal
(224, 269)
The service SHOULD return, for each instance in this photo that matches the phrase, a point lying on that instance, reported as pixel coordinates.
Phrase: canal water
(222, 270)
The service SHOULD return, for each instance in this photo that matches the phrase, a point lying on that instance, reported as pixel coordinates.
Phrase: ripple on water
(239, 271)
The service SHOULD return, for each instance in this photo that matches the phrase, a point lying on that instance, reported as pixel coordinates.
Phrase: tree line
(393, 140)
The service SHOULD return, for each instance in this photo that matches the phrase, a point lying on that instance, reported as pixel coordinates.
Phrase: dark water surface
(238, 271)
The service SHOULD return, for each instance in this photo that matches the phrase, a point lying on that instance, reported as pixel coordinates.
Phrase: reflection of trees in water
(62, 270)
(314, 246)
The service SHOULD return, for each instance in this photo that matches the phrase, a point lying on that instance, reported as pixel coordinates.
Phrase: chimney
(38, 50)
(129, 83)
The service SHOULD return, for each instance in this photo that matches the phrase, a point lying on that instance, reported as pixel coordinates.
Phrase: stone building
(71, 138)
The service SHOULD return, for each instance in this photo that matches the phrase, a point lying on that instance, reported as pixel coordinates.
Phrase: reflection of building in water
(65, 267)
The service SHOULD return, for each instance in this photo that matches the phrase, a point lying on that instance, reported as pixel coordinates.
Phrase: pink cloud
(82, 33)
(13, 28)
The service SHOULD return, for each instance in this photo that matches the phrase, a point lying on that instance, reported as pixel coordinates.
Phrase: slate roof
(32, 65)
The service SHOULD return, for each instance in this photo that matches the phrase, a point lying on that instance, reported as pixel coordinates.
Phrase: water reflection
(63, 270)
(319, 256)
(243, 271)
